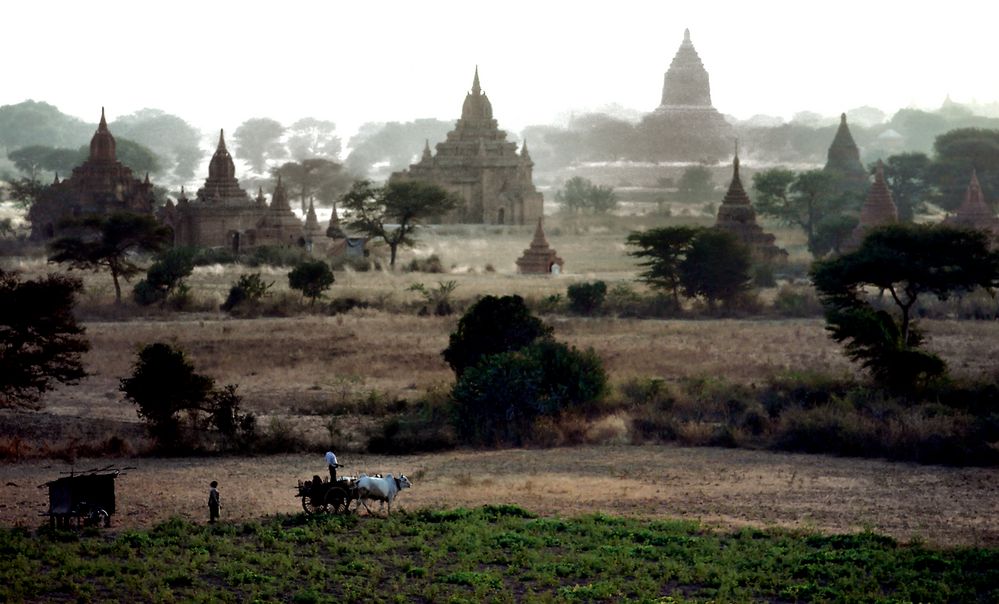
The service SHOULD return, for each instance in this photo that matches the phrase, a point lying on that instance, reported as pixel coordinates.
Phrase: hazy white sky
(217, 63)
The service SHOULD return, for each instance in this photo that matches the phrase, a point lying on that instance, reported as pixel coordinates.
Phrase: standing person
(331, 462)
(214, 502)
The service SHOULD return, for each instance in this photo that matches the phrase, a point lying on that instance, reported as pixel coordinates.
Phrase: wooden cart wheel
(337, 501)
(310, 506)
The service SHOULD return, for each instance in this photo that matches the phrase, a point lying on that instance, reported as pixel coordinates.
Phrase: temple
(223, 215)
(878, 210)
(974, 213)
(477, 163)
(540, 258)
(685, 126)
(737, 216)
(100, 186)
(843, 162)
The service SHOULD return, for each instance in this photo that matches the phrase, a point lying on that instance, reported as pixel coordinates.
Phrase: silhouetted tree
(392, 212)
(394, 143)
(908, 177)
(165, 276)
(662, 250)
(109, 243)
(312, 278)
(491, 326)
(259, 140)
(802, 199)
(176, 143)
(715, 267)
(37, 123)
(958, 152)
(40, 340)
(906, 261)
(320, 178)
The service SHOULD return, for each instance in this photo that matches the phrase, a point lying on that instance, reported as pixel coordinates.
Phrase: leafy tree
(109, 243)
(832, 232)
(165, 276)
(248, 288)
(176, 143)
(165, 387)
(30, 160)
(40, 341)
(498, 400)
(586, 298)
(695, 184)
(803, 200)
(37, 123)
(906, 261)
(259, 140)
(393, 211)
(395, 144)
(320, 178)
(662, 250)
(25, 191)
(579, 193)
(491, 326)
(908, 177)
(312, 278)
(310, 138)
(716, 266)
(958, 152)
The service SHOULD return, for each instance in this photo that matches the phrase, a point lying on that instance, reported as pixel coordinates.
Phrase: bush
(430, 264)
(499, 399)
(165, 276)
(797, 301)
(248, 289)
(267, 255)
(312, 278)
(586, 298)
(492, 325)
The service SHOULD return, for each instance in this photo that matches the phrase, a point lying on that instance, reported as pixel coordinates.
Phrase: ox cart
(325, 496)
(87, 497)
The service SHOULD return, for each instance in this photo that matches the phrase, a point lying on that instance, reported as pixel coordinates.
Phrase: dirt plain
(721, 488)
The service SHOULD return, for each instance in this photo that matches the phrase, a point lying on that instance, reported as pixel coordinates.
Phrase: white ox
(383, 489)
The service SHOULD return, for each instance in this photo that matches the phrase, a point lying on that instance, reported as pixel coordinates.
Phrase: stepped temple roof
(540, 258)
(221, 187)
(737, 216)
(974, 213)
(843, 161)
(878, 210)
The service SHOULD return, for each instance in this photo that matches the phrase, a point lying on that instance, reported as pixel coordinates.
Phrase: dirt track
(724, 488)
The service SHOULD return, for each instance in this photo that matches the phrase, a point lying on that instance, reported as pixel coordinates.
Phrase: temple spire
(476, 89)
(523, 151)
(104, 123)
(426, 151)
(221, 146)
(686, 35)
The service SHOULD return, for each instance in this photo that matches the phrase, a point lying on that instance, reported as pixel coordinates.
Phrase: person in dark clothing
(214, 502)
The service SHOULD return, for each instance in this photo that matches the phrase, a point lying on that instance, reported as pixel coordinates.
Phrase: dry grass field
(722, 488)
(296, 369)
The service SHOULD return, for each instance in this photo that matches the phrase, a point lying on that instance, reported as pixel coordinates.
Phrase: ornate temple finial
(426, 151)
(182, 196)
(735, 161)
(104, 123)
(523, 150)
(222, 139)
(56, 181)
(476, 89)
(880, 173)
(842, 119)
(279, 180)
(686, 35)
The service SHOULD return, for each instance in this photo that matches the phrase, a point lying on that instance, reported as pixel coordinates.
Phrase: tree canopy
(661, 251)
(40, 340)
(395, 144)
(258, 140)
(906, 261)
(310, 138)
(393, 211)
(311, 278)
(715, 267)
(956, 154)
(320, 178)
(175, 143)
(695, 184)
(579, 194)
(109, 242)
(908, 177)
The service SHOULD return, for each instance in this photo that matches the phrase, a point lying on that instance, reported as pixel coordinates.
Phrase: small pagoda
(843, 161)
(974, 213)
(737, 216)
(879, 210)
(540, 258)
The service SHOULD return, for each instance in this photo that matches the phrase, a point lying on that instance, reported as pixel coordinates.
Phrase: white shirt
(330, 458)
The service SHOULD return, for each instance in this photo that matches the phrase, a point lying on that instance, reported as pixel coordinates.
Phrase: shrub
(165, 276)
(312, 278)
(797, 301)
(586, 298)
(498, 400)
(430, 264)
(247, 289)
(492, 325)
(268, 255)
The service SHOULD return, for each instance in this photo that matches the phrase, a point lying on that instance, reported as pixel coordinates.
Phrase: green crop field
(489, 554)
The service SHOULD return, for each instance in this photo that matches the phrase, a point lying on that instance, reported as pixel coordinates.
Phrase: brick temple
(974, 213)
(484, 169)
(686, 126)
(540, 258)
(878, 210)
(737, 216)
(223, 214)
(843, 162)
(100, 186)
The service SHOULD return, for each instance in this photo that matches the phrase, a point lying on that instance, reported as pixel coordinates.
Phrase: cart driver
(331, 462)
